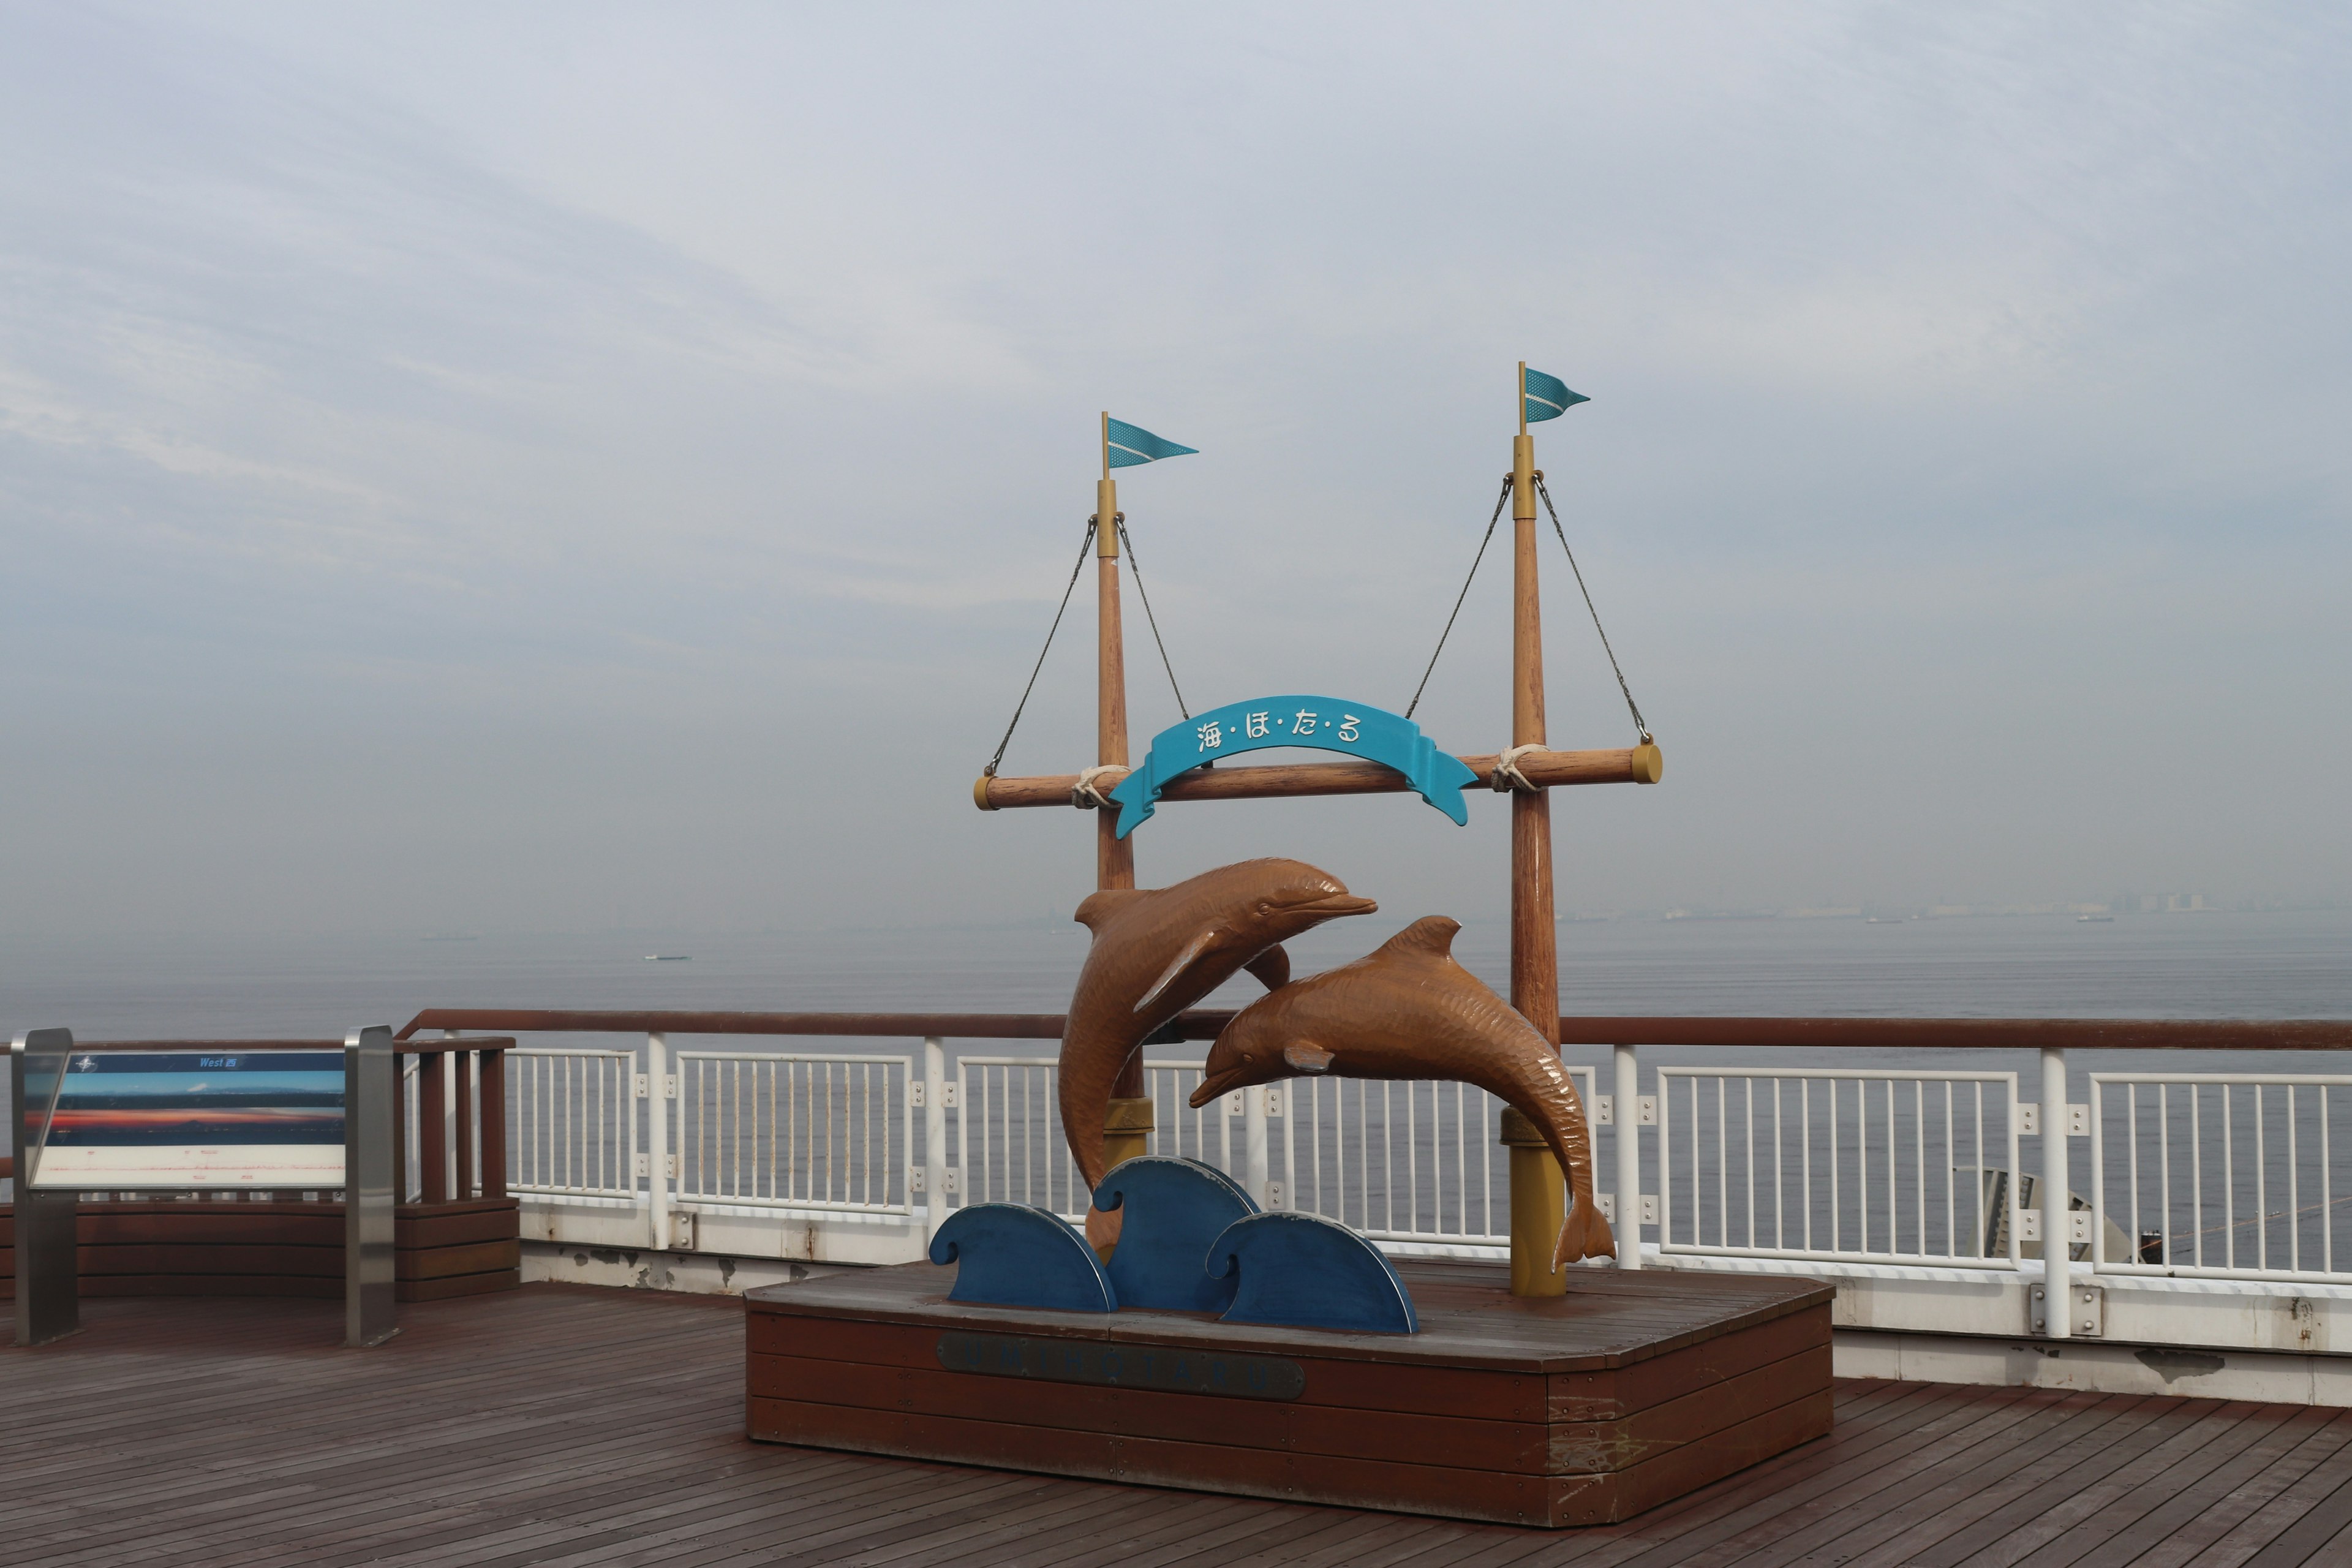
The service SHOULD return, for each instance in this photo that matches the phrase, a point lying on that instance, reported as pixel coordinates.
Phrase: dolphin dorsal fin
(1431, 936)
(1099, 907)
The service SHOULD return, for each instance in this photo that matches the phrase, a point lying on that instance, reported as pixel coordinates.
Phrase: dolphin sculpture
(1157, 951)
(1407, 1010)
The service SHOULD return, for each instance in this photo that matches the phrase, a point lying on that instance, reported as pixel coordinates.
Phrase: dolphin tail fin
(1585, 1234)
(1271, 968)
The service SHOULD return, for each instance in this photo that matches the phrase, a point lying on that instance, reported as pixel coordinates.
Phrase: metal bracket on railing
(919, 1090)
(2087, 1314)
(1603, 1109)
(1607, 1203)
(643, 1086)
(2078, 1124)
(2029, 1125)
(1645, 1114)
(2028, 1222)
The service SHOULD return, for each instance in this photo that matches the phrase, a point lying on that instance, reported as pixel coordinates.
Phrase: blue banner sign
(1323, 723)
(195, 1118)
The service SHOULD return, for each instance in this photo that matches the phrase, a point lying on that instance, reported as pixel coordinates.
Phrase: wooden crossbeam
(1545, 770)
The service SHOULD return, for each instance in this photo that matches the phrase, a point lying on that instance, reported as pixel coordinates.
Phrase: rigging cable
(1640, 727)
(1083, 545)
(1459, 598)
(1119, 520)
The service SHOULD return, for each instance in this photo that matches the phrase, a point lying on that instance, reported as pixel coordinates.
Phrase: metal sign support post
(48, 1286)
(369, 1314)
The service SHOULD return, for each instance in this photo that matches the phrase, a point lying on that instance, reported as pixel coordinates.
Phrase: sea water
(2286, 964)
(2290, 964)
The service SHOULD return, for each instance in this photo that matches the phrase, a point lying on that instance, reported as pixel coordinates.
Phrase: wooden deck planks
(592, 1429)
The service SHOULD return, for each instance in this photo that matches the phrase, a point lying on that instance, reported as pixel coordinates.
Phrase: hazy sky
(516, 466)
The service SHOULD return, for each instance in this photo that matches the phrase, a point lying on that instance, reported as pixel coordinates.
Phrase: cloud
(641, 450)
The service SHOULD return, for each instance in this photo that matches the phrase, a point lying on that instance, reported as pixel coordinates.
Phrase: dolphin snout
(1214, 1086)
(1334, 905)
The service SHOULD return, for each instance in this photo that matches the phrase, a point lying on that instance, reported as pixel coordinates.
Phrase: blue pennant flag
(1131, 444)
(1549, 396)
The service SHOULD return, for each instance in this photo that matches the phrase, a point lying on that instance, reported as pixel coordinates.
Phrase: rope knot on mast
(1506, 776)
(1085, 795)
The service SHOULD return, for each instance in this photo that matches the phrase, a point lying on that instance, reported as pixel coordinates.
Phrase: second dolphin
(1407, 1010)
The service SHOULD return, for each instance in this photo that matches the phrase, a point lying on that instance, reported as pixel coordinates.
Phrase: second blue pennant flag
(1548, 397)
(1126, 445)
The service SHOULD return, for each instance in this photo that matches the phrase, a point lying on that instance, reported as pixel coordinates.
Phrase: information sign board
(129, 1120)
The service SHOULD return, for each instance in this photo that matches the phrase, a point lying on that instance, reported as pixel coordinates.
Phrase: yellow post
(1128, 1121)
(1539, 1187)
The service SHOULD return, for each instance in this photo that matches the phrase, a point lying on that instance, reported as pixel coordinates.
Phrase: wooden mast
(1537, 1185)
(1128, 1121)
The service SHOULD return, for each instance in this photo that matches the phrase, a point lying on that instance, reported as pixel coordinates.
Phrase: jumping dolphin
(1158, 951)
(1407, 1010)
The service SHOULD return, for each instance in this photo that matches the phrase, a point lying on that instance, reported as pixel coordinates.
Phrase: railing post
(494, 1124)
(1627, 1122)
(2057, 1230)
(454, 1097)
(1254, 1171)
(657, 1141)
(935, 1135)
(466, 1124)
(432, 1127)
(399, 1128)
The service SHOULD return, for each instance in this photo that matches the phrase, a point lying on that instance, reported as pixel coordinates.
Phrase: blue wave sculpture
(1303, 1271)
(1174, 1210)
(1016, 1254)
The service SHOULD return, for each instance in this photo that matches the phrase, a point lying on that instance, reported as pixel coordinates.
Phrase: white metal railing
(2230, 1176)
(1401, 1162)
(2222, 1175)
(797, 1129)
(574, 1118)
(1879, 1167)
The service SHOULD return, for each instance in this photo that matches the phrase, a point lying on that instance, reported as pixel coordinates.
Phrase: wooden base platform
(1629, 1390)
(167, 1246)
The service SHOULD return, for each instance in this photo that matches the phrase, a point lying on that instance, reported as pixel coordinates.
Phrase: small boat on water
(2095, 919)
(669, 958)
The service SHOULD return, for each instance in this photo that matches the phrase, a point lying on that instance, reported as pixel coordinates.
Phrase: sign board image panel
(179, 1119)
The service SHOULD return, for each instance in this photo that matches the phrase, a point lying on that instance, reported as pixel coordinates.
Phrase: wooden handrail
(1844, 1034)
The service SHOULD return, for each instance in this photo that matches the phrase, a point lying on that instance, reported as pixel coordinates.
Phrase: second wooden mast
(1537, 1183)
(1128, 1123)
